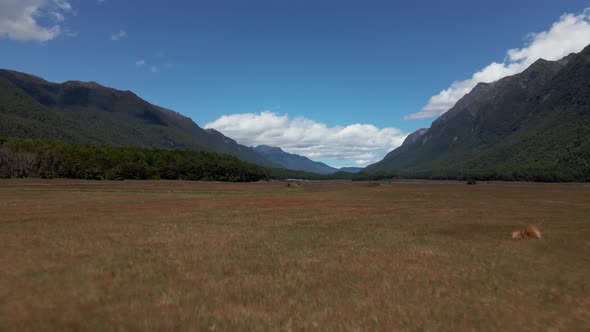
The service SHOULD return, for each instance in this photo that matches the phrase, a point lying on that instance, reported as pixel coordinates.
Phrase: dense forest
(53, 159)
(525, 174)
(22, 158)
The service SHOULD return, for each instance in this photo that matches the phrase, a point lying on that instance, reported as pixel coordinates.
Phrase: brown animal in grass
(528, 232)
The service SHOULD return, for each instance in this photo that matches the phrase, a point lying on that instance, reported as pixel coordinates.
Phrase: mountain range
(87, 112)
(351, 169)
(534, 122)
(293, 161)
(299, 163)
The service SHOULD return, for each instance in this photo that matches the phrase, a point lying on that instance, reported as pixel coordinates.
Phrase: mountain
(351, 169)
(415, 136)
(293, 161)
(87, 112)
(535, 122)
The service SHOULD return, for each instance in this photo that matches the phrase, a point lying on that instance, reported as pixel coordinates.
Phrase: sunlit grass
(328, 256)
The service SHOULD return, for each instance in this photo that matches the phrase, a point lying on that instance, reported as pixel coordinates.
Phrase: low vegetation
(328, 256)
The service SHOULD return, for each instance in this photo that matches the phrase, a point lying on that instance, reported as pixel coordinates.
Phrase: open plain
(401, 255)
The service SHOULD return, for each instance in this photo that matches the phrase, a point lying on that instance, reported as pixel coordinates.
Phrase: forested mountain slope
(86, 112)
(536, 122)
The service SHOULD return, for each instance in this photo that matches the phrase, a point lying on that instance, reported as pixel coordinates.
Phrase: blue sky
(328, 63)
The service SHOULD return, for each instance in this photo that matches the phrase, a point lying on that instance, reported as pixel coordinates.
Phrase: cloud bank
(361, 143)
(34, 20)
(570, 34)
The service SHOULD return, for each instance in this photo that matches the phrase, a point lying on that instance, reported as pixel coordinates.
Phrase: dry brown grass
(411, 255)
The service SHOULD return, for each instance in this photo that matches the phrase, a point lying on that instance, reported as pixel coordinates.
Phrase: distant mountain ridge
(535, 122)
(87, 112)
(351, 169)
(293, 161)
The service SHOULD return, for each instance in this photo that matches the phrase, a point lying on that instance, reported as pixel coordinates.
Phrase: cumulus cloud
(362, 143)
(119, 35)
(21, 19)
(154, 69)
(140, 63)
(570, 34)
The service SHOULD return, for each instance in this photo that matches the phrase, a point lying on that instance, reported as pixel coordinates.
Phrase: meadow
(327, 256)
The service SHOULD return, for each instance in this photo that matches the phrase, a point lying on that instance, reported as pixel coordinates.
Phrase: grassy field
(77, 255)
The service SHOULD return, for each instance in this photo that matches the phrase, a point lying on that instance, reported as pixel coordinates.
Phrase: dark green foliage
(53, 159)
(285, 174)
(365, 176)
(351, 169)
(88, 113)
(534, 126)
(471, 181)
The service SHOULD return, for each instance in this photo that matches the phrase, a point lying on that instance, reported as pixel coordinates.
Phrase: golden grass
(407, 255)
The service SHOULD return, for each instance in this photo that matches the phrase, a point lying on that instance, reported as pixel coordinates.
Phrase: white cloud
(363, 162)
(140, 63)
(362, 143)
(570, 34)
(119, 35)
(21, 19)
(154, 69)
(64, 6)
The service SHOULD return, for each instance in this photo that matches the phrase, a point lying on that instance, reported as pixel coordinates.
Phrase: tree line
(525, 174)
(23, 158)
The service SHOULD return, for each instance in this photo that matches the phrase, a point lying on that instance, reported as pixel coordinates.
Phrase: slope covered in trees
(86, 112)
(530, 126)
